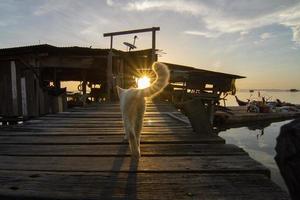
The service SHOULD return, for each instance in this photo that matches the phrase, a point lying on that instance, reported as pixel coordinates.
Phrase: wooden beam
(131, 31)
(111, 42)
(14, 90)
(153, 46)
(109, 75)
(24, 97)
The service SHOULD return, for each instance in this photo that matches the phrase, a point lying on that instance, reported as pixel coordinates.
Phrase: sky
(259, 39)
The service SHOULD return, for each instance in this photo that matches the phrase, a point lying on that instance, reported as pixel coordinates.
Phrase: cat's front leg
(126, 134)
(126, 129)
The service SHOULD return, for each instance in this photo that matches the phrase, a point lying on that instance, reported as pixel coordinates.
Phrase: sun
(143, 82)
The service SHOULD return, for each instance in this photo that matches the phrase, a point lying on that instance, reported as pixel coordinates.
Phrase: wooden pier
(81, 154)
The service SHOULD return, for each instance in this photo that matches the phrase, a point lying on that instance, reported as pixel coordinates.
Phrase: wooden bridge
(81, 154)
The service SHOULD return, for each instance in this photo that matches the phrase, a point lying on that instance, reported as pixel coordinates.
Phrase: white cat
(133, 106)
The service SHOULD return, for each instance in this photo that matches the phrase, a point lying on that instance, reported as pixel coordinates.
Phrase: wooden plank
(100, 125)
(106, 139)
(96, 119)
(113, 150)
(104, 114)
(156, 186)
(99, 129)
(107, 125)
(85, 157)
(87, 131)
(102, 122)
(196, 164)
(91, 120)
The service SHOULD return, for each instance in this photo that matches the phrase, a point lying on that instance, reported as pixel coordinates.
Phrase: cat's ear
(120, 90)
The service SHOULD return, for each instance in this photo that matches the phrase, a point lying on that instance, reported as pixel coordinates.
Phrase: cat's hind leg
(139, 120)
(126, 128)
(133, 144)
(138, 127)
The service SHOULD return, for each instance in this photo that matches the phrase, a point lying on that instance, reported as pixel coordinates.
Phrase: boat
(240, 102)
(251, 91)
(294, 90)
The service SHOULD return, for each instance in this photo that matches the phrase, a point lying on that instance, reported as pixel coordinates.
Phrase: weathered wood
(81, 154)
(87, 131)
(100, 122)
(24, 97)
(100, 125)
(106, 139)
(205, 164)
(14, 89)
(106, 114)
(199, 115)
(105, 185)
(155, 130)
(46, 118)
(113, 150)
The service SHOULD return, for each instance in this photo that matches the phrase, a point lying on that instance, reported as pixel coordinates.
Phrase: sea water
(260, 140)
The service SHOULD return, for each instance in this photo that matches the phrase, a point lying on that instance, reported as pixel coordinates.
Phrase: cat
(133, 106)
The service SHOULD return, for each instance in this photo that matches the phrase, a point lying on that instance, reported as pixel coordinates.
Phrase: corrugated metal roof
(46, 48)
(197, 71)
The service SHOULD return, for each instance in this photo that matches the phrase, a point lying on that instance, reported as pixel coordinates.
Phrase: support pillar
(153, 46)
(14, 90)
(24, 97)
(109, 73)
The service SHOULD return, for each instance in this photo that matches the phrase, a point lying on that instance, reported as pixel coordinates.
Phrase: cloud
(110, 2)
(180, 6)
(225, 16)
(296, 34)
(203, 33)
(2, 23)
(71, 14)
(242, 33)
(265, 36)
(51, 6)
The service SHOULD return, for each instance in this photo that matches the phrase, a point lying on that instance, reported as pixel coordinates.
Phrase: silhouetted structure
(30, 77)
(288, 156)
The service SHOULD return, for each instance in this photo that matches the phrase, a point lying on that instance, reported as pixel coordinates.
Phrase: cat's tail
(134, 146)
(162, 80)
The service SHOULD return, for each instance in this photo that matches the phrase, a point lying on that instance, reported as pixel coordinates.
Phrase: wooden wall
(21, 93)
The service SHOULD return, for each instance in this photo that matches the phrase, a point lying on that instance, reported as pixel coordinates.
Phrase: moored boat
(240, 102)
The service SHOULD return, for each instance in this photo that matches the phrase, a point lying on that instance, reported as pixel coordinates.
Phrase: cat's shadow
(117, 183)
(131, 186)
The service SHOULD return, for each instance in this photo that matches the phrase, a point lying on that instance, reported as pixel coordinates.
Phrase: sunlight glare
(143, 82)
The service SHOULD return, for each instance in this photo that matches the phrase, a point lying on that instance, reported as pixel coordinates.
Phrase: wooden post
(153, 46)
(24, 97)
(56, 80)
(84, 96)
(109, 74)
(38, 87)
(122, 81)
(14, 90)
(111, 42)
(60, 103)
(153, 30)
(198, 116)
(109, 59)
(84, 82)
